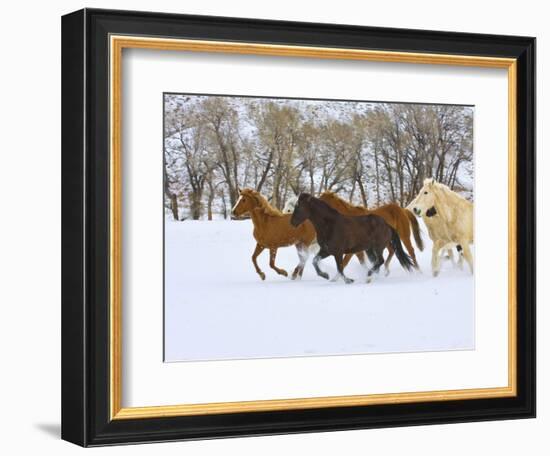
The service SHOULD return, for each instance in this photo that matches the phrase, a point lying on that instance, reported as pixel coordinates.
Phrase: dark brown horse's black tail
(416, 230)
(404, 259)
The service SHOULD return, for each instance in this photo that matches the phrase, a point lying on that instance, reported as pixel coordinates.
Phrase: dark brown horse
(401, 220)
(339, 234)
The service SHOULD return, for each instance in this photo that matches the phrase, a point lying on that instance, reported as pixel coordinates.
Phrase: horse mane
(444, 190)
(448, 200)
(330, 194)
(319, 203)
(267, 208)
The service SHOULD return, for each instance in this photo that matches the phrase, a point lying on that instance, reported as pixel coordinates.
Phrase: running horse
(272, 230)
(401, 220)
(450, 221)
(339, 234)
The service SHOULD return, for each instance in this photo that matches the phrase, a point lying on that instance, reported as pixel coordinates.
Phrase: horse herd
(331, 226)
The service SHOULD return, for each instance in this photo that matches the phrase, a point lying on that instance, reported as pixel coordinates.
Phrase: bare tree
(222, 125)
(370, 153)
(278, 128)
(186, 142)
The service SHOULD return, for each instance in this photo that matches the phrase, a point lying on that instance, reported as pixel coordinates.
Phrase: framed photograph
(277, 227)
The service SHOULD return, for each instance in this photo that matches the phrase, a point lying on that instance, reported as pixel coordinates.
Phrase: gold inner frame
(117, 44)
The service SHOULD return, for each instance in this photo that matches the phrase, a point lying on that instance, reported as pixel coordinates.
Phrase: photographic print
(268, 227)
(301, 227)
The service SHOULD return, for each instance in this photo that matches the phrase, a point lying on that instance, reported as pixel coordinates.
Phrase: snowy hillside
(216, 306)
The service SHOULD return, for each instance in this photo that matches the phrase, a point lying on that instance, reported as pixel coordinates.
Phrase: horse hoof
(435, 273)
(262, 275)
(324, 275)
(283, 272)
(387, 273)
(348, 281)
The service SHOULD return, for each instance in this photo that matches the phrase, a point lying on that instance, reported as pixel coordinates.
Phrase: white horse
(290, 205)
(449, 219)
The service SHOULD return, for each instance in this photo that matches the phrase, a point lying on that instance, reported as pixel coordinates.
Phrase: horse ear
(429, 181)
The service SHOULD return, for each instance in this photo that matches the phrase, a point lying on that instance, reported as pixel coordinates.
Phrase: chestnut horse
(339, 234)
(401, 220)
(272, 229)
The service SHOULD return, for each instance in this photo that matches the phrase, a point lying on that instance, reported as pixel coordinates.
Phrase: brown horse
(401, 220)
(272, 229)
(339, 234)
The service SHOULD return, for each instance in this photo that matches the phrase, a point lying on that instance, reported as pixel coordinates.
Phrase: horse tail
(415, 229)
(404, 259)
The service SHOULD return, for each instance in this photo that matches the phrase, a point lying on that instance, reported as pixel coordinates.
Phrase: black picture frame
(85, 228)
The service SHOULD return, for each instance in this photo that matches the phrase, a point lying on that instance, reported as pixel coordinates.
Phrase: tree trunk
(265, 171)
(210, 201)
(363, 192)
(224, 206)
(174, 206)
(171, 196)
(195, 200)
(377, 170)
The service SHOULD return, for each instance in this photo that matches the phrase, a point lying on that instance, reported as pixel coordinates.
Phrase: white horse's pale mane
(447, 192)
(448, 200)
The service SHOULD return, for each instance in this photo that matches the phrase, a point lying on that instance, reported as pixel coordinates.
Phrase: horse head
(245, 203)
(290, 205)
(301, 211)
(424, 205)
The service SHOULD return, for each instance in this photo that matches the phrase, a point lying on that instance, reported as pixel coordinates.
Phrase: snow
(217, 307)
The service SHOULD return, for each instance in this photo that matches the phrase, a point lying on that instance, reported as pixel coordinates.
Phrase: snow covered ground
(216, 306)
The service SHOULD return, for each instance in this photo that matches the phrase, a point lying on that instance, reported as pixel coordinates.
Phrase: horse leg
(259, 249)
(303, 254)
(460, 256)
(468, 255)
(391, 252)
(450, 256)
(340, 268)
(379, 253)
(312, 248)
(272, 255)
(336, 276)
(364, 263)
(380, 262)
(436, 259)
(347, 259)
(320, 255)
